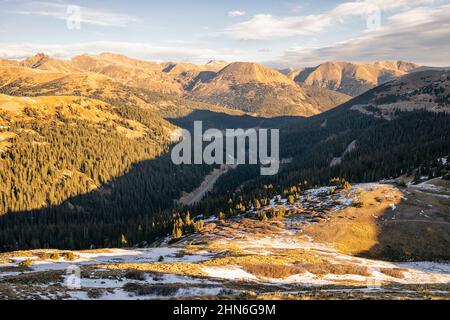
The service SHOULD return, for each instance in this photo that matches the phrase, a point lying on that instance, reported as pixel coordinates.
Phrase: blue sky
(278, 33)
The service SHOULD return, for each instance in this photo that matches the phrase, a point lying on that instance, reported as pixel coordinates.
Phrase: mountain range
(350, 78)
(244, 86)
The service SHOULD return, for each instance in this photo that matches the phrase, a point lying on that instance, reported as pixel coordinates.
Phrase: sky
(277, 33)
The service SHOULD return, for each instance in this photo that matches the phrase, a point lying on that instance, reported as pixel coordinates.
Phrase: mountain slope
(53, 141)
(426, 90)
(43, 62)
(350, 78)
(247, 87)
(133, 192)
(131, 72)
(23, 81)
(159, 77)
(246, 258)
(254, 88)
(359, 146)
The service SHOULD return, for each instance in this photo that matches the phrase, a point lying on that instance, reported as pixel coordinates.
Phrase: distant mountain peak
(244, 72)
(352, 78)
(36, 60)
(254, 88)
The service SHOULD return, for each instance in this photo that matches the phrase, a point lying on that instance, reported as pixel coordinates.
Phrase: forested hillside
(352, 145)
(70, 182)
(82, 173)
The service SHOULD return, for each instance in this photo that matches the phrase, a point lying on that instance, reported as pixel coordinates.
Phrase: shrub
(400, 183)
(291, 199)
(157, 277)
(43, 255)
(358, 204)
(272, 270)
(135, 275)
(177, 231)
(26, 263)
(395, 272)
(346, 185)
(55, 256)
(340, 184)
(94, 293)
(145, 289)
(198, 226)
(262, 216)
(328, 268)
(70, 256)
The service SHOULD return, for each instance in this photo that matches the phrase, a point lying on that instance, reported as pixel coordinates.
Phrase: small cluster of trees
(183, 224)
(271, 214)
(340, 184)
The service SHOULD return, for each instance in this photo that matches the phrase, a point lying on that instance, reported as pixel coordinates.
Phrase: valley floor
(330, 245)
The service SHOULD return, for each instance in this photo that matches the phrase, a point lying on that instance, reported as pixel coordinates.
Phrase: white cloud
(236, 13)
(135, 49)
(420, 35)
(88, 15)
(267, 26)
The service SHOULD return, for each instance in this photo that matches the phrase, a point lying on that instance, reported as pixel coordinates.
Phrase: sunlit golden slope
(131, 72)
(46, 108)
(22, 81)
(115, 78)
(254, 88)
(161, 77)
(350, 78)
(422, 90)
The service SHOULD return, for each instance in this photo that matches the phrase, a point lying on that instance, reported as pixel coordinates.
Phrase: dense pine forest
(411, 144)
(117, 198)
(72, 183)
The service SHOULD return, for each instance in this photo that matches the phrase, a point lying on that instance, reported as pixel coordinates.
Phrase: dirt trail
(206, 186)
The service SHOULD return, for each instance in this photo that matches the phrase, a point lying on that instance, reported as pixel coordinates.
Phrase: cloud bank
(267, 26)
(420, 35)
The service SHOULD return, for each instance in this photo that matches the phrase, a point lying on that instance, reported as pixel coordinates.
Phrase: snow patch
(230, 273)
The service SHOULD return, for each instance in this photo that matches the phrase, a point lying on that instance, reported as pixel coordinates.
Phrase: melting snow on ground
(229, 272)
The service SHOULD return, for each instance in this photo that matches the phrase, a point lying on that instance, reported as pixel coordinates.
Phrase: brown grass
(35, 277)
(5, 261)
(26, 263)
(359, 234)
(180, 268)
(135, 275)
(147, 289)
(395, 272)
(340, 269)
(16, 268)
(272, 271)
(278, 258)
